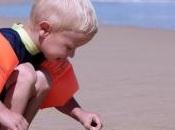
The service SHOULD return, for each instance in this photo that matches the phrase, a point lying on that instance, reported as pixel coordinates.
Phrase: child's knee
(27, 73)
(42, 83)
(23, 78)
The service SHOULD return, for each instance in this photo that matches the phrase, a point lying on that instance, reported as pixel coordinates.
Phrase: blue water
(153, 15)
(149, 15)
(15, 10)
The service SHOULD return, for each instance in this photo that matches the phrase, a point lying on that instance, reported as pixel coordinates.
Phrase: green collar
(27, 41)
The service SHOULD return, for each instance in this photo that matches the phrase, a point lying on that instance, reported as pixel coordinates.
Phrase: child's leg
(29, 91)
(21, 88)
(42, 87)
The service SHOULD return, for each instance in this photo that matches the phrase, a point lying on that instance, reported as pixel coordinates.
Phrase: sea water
(142, 14)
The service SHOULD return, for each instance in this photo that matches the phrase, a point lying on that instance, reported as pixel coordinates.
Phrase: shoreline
(7, 21)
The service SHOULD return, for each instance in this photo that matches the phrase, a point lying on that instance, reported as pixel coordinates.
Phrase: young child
(55, 29)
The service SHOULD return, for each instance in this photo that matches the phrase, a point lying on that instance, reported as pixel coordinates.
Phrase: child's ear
(45, 29)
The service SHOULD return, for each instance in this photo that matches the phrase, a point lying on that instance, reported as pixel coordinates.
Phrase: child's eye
(69, 48)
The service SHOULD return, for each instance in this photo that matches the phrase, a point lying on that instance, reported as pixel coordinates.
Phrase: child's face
(62, 44)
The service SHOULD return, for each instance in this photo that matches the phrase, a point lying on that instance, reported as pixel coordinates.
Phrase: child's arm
(89, 120)
(63, 86)
(12, 120)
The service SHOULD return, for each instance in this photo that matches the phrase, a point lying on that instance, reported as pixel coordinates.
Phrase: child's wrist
(76, 112)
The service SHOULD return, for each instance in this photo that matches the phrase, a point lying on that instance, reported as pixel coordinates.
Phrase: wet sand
(127, 75)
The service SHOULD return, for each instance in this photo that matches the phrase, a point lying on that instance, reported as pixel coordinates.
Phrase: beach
(127, 75)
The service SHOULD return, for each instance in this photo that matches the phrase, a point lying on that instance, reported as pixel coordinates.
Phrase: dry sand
(127, 75)
(8, 22)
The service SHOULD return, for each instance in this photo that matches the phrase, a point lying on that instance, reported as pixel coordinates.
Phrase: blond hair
(76, 15)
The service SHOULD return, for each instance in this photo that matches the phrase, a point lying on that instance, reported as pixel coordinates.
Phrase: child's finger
(93, 128)
(93, 124)
(96, 123)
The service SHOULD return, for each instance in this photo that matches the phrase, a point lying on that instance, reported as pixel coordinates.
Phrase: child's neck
(32, 33)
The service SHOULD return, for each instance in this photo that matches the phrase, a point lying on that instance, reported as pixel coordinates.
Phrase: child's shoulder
(11, 35)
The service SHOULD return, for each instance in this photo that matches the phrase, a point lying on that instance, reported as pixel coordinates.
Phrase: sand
(127, 75)
(8, 22)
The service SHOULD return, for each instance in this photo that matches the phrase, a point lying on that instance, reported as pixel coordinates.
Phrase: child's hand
(90, 121)
(13, 121)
